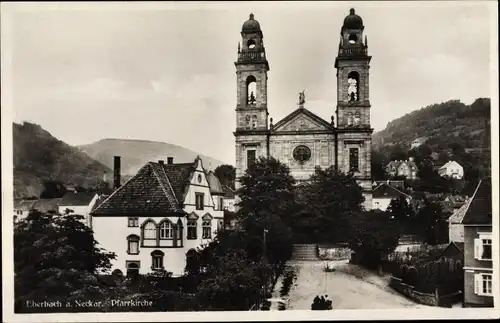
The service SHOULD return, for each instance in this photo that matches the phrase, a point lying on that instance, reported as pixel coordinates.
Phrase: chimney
(161, 162)
(117, 172)
(170, 160)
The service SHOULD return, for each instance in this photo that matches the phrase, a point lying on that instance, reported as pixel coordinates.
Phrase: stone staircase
(304, 252)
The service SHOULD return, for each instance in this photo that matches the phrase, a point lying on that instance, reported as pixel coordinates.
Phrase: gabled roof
(459, 214)
(308, 114)
(77, 199)
(480, 208)
(24, 205)
(47, 205)
(387, 191)
(179, 176)
(214, 183)
(148, 192)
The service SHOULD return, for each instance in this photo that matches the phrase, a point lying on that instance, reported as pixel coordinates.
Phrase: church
(302, 140)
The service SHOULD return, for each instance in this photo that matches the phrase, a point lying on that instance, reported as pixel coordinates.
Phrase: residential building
(79, 203)
(159, 216)
(455, 251)
(303, 140)
(384, 194)
(455, 226)
(47, 205)
(478, 250)
(402, 168)
(417, 142)
(22, 208)
(451, 169)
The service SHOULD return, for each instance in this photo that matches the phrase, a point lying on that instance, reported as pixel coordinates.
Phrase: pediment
(302, 120)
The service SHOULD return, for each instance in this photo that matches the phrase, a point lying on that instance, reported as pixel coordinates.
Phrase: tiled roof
(77, 199)
(179, 176)
(47, 205)
(386, 191)
(479, 211)
(459, 214)
(24, 205)
(148, 192)
(214, 183)
(229, 192)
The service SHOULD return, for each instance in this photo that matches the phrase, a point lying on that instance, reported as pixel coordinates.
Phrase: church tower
(353, 104)
(251, 106)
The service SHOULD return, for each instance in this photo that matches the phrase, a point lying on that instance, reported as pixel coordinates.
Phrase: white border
(7, 180)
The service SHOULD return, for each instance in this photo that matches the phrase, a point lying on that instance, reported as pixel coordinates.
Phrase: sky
(165, 71)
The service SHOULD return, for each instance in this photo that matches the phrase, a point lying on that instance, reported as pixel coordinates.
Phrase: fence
(431, 299)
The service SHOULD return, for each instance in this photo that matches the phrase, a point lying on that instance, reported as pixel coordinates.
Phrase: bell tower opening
(353, 85)
(251, 90)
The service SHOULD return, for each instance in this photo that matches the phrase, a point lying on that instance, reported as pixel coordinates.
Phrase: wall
(422, 298)
(470, 233)
(456, 232)
(471, 299)
(334, 253)
(381, 203)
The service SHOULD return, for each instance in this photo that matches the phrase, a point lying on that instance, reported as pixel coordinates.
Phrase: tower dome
(353, 21)
(251, 25)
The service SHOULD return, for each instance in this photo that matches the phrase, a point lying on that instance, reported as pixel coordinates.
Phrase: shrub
(329, 267)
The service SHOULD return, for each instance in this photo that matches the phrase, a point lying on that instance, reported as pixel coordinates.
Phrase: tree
(398, 153)
(53, 189)
(267, 198)
(378, 163)
(400, 209)
(331, 198)
(373, 236)
(430, 222)
(226, 175)
(56, 258)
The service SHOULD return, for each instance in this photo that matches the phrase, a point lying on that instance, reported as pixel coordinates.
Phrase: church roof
(251, 25)
(324, 124)
(353, 21)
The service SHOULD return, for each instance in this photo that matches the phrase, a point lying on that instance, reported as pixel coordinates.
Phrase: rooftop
(480, 208)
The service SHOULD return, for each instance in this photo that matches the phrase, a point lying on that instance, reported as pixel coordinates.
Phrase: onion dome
(251, 25)
(353, 21)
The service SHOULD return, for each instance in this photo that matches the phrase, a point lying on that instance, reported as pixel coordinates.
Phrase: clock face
(302, 154)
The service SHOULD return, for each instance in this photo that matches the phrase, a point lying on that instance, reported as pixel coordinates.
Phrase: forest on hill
(39, 157)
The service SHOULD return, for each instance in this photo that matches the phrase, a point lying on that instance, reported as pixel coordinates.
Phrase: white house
(158, 216)
(22, 208)
(451, 169)
(80, 203)
(383, 194)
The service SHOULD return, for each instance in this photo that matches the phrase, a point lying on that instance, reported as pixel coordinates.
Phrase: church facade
(303, 140)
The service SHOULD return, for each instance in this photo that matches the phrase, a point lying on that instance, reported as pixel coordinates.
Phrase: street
(349, 287)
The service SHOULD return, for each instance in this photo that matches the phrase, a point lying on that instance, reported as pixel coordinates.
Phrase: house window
(482, 247)
(483, 284)
(133, 244)
(250, 157)
(354, 159)
(133, 222)
(221, 203)
(191, 229)
(166, 230)
(149, 230)
(157, 260)
(207, 228)
(132, 268)
(200, 197)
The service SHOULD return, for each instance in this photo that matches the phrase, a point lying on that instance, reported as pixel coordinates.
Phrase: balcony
(252, 56)
(353, 51)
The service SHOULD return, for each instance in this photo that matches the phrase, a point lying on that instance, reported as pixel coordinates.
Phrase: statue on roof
(302, 97)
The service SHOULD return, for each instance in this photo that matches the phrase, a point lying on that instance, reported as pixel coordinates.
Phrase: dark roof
(453, 249)
(387, 191)
(77, 199)
(353, 21)
(47, 205)
(179, 176)
(229, 192)
(251, 25)
(24, 205)
(148, 192)
(214, 183)
(479, 211)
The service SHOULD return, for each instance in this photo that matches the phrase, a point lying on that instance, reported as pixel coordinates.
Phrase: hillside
(38, 156)
(135, 153)
(441, 124)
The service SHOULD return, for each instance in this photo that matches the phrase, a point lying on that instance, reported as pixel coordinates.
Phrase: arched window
(166, 230)
(192, 226)
(251, 88)
(206, 227)
(133, 244)
(157, 260)
(349, 119)
(353, 86)
(357, 119)
(133, 269)
(149, 230)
